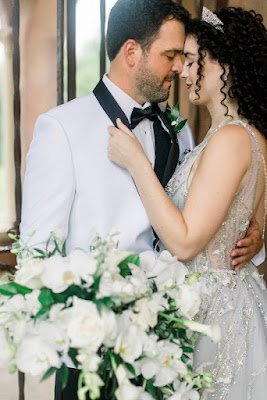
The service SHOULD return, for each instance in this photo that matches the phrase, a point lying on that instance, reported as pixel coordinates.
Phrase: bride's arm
(212, 190)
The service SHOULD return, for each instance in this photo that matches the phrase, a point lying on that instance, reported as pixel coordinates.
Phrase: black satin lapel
(109, 104)
(173, 157)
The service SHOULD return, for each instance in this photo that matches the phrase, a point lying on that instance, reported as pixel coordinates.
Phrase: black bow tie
(138, 114)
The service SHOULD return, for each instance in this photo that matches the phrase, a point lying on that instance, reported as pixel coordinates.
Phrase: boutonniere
(173, 115)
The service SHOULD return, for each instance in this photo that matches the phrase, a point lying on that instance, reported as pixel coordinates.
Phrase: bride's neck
(217, 113)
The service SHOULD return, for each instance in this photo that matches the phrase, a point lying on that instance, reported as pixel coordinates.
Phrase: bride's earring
(224, 77)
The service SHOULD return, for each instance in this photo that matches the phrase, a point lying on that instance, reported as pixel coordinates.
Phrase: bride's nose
(184, 73)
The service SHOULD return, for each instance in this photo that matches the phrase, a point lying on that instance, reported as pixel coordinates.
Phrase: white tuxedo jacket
(71, 185)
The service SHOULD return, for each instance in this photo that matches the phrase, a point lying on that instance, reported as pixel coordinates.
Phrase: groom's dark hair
(140, 20)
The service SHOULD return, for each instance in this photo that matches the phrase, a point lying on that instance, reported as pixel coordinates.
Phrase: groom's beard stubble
(150, 87)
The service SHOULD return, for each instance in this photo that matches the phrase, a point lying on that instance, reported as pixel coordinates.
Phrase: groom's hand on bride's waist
(248, 247)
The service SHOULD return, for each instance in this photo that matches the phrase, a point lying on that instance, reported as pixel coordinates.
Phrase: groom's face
(159, 65)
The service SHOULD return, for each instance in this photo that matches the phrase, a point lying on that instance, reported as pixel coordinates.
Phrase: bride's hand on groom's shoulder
(124, 149)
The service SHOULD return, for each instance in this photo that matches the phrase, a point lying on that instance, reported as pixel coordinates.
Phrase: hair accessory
(211, 19)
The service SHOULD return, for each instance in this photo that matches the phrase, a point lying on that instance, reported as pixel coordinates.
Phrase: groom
(69, 183)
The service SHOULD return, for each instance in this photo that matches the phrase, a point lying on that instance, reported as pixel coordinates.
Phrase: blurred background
(39, 74)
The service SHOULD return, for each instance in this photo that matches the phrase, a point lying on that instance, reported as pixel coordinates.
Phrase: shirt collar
(123, 99)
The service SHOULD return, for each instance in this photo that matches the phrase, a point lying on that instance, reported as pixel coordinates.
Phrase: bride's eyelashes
(189, 64)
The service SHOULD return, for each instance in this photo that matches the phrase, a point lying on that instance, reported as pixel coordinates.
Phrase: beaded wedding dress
(237, 301)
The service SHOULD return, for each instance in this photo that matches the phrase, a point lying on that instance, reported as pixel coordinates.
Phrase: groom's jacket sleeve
(49, 183)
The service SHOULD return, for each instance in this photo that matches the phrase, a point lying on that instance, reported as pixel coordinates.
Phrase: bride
(214, 193)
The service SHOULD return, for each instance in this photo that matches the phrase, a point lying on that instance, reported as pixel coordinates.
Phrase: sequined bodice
(216, 255)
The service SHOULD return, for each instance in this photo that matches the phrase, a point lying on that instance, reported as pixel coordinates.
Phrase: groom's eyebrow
(176, 51)
(188, 54)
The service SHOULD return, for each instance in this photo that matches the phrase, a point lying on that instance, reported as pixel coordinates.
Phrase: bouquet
(124, 320)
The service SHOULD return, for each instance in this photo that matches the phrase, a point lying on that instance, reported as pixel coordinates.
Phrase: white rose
(8, 348)
(86, 327)
(35, 356)
(29, 274)
(187, 299)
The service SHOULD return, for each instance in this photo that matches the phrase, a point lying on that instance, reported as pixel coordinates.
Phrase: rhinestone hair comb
(211, 19)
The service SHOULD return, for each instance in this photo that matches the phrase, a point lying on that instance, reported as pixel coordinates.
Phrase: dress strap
(265, 193)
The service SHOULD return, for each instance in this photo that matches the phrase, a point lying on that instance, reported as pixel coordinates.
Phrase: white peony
(35, 356)
(29, 274)
(86, 327)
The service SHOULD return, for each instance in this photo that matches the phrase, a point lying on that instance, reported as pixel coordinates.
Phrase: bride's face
(210, 81)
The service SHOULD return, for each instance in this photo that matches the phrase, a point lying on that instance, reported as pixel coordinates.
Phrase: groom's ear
(132, 52)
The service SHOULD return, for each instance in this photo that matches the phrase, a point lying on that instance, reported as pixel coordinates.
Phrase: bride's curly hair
(242, 45)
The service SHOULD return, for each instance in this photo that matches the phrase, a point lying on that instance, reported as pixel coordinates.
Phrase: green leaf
(150, 388)
(12, 288)
(40, 252)
(12, 236)
(179, 126)
(168, 112)
(132, 259)
(72, 353)
(184, 358)
(64, 373)
(64, 249)
(42, 312)
(175, 112)
(187, 349)
(48, 373)
(46, 297)
(131, 369)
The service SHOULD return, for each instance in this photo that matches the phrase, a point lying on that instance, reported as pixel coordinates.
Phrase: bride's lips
(189, 85)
